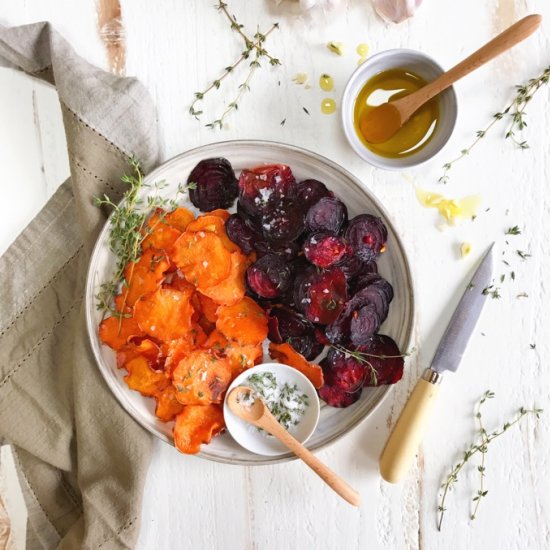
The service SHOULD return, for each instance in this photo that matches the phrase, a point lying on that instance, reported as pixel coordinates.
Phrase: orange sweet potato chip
(216, 342)
(223, 214)
(197, 424)
(215, 224)
(144, 276)
(201, 378)
(208, 307)
(116, 332)
(167, 404)
(245, 322)
(202, 258)
(179, 282)
(285, 353)
(146, 348)
(180, 218)
(160, 235)
(165, 314)
(232, 289)
(143, 379)
(241, 357)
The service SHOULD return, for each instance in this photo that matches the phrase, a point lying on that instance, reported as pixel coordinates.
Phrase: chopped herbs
(493, 291)
(523, 255)
(286, 402)
(305, 111)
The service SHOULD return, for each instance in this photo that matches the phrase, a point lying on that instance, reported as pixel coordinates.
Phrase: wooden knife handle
(407, 433)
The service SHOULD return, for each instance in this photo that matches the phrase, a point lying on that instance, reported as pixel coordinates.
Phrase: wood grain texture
(178, 47)
(111, 31)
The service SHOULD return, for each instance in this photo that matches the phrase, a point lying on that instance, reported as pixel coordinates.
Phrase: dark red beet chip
(215, 184)
(240, 233)
(263, 186)
(269, 276)
(384, 357)
(285, 323)
(283, 221)
(287, 251)
(364, 323)
(324, 249)
(308, 192)
(306, 345)
(367, 236)
(335, 397)
(321, 295)
(328, 215)
(321, 337)
(376, 296)
(344, 371)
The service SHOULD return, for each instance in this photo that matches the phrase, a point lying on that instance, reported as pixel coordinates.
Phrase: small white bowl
(261, 443)
(425, 67)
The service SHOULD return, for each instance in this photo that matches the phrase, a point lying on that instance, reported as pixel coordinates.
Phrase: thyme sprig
(128, 230)
(478, 446)
(256, 45)
(514, 113)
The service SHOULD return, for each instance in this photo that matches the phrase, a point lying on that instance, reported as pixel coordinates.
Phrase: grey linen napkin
(81, 459)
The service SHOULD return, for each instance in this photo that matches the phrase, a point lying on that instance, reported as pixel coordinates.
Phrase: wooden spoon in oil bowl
(243, 403)
(382, 122)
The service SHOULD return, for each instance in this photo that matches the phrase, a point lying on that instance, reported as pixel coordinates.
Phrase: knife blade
(408, 431)
(457, 334)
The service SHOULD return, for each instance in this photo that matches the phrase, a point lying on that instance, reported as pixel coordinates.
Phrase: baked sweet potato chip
(116, 333)
(208, 307)
(245, 322)
(241, 357)
(167, 404)
(143, 379)
(160, 235)
(286, 354)
(197, 424)
(232, 289)
(220, 212)
(146, 348)
(143, 276)
(180, 218)
(216, 342)
(213, 224)
(201, 378)
(202, 258)
(165, 314)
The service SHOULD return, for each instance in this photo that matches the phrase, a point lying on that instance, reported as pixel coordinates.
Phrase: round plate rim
(89, 289)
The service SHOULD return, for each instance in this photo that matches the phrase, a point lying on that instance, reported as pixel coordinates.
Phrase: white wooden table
(175, 48)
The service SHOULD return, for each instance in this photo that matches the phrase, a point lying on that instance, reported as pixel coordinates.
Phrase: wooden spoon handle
(333, 480)
(504, 41)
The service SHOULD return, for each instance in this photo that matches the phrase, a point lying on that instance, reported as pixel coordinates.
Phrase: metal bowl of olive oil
(389, 75)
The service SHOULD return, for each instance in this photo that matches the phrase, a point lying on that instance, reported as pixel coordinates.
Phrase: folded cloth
(81, 458)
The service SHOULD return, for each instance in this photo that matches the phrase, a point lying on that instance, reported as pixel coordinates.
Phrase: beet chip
(215, 184)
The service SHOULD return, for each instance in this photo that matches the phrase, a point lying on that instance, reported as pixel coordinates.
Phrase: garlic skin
(396, 11)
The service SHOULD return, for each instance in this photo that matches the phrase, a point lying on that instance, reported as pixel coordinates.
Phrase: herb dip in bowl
(290, 397)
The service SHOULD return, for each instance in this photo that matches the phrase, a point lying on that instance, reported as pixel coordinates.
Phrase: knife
(407, 434)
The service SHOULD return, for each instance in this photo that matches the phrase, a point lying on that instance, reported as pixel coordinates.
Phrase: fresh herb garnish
(523, 255)
(478, 446)
(493, 291)
(128, 230)
(251, 45)
(514, 113)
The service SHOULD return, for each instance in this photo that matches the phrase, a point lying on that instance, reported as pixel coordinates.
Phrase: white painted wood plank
(175, 49)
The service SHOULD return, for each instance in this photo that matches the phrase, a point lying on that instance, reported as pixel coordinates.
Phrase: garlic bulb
(396, 10)
(303, 6)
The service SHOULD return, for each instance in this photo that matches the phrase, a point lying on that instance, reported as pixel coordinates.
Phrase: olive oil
(326, 82)
(328, 106)
(416, 132)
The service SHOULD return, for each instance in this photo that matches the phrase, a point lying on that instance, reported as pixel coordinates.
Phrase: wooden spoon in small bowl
(383, 122)
(249, 407)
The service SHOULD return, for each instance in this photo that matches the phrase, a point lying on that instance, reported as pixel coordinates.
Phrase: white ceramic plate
(259, 442)
(393, 265)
